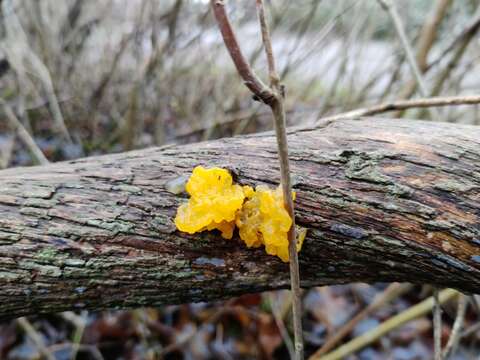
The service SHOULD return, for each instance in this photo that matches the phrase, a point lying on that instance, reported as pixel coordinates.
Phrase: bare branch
(427, 36)
(457, 327)
(390, 7)
(406, 316)
(26, 138)
(437, 325)
(392, 292)
(407, 104)
(35, 337)
(250, 79)
(272, 72)
(274, 97)
(429, 31)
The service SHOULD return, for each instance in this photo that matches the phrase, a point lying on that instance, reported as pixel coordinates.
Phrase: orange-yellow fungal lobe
(217, 203)
(214, 200)
(226, 228)
(264, 220)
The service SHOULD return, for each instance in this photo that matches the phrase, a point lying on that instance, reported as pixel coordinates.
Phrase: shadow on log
(384, 200)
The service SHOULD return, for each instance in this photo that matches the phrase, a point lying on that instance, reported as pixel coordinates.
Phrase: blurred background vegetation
(87, 77)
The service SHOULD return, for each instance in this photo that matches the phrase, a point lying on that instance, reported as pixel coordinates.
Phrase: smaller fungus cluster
(217, 203)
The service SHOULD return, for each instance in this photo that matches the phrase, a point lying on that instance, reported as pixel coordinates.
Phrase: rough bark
(383, 200)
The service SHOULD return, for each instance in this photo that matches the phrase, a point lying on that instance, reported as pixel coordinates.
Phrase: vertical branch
(23, 134)
(413, 312)
(429, 31)
(249, 77)
(457, 327)
(437, 326)
(278, 108)
(392, 292)
(267, 43)
(390, 7)
(35, 337)
(427, 37)
(274, 97)
(29, 59)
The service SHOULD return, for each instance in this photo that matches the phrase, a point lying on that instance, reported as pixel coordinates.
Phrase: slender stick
(390, 7)
(427, 37)
(28, 58)
(369, 111)
(278, 316)
(250, 79)
(437, 326)
(274, 97)
(392, 292)
(395, 322)
(23, 134)
(279, 116)
(407, 104)
(35, 337)
(278, 108)
(457, 327)
(430, 30)
(272, 72)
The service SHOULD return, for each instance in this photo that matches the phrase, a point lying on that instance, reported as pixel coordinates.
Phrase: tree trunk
(383, 200)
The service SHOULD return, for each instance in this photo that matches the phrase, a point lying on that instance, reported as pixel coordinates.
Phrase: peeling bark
(384, 200)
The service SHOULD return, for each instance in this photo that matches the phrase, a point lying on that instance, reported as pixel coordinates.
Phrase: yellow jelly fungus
(264, 220)
(214, 201)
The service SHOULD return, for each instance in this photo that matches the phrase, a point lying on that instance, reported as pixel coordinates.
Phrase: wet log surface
(383, 200)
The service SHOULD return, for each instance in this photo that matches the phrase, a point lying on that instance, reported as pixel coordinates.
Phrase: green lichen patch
(45, 192)
(39, 203)
(47, 254)
(45, 270)
(128, 188)
(163, 223)
(74, 262)
(116, 227)
(453, 186)
(100, 263)
(8, 238)
(42, 213)
(9, 276)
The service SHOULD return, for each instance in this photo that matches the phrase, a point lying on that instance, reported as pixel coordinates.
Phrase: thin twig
(470, 330)
(429, 31)
(80, 323)
(28, 57)
(373, 335)
(33, 334)
(91, 349)
(250, 79)
(468, 31)
(390, 7)
(407, 104)
(454, 60)
(278, 109)
(392, 292)
(26, 138)
(457, 327)
(427, 37)
(460, 42)
(267, 43)
(278, 316)
(273, 97)
(437, 326)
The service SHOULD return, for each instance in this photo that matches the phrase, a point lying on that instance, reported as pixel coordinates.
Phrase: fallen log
(383, 200)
